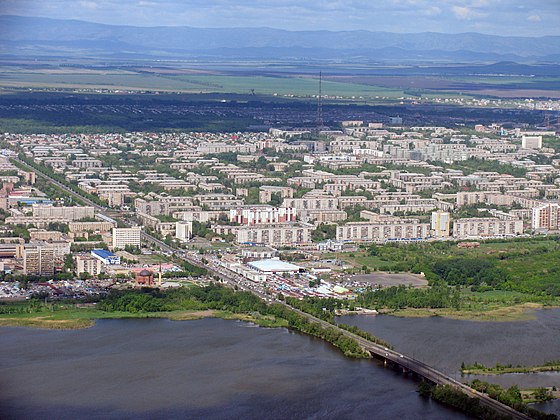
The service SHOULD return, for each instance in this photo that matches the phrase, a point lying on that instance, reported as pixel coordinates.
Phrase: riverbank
(77, 318)
(480, 369)
(520, 312)
(72, 319)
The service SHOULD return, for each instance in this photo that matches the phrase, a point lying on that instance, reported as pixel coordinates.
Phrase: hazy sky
(500, 17)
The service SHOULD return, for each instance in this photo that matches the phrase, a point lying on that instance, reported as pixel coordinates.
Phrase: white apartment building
(486, 227)
(183, 230)
(403, 229)
(70, 213)
(276, 235)
(126, 236)
(257, 215)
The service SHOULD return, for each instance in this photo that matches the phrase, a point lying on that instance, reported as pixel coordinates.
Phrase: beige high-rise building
(88, 264)
(126, 236)
(441, 223)
(546, 216)
(531, 142)
(38, 261)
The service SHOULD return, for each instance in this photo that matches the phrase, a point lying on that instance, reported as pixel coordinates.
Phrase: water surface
(208, 368)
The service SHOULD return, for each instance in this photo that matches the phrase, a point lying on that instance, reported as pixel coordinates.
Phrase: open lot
(391, 279)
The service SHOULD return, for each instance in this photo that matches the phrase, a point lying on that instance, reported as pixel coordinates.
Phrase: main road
(405, 362)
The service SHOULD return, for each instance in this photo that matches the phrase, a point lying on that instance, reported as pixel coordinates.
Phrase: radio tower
(320, 103)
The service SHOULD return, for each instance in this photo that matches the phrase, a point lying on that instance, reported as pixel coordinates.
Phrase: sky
(497, 17)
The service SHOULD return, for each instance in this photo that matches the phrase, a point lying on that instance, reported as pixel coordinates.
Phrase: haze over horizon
(504, 17)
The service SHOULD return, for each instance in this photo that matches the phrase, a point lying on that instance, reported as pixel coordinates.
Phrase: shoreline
(89, 318)
(521, 312)
(80, 318)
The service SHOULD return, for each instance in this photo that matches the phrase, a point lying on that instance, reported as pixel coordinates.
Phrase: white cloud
(465, 13)
(432, 11)
(88, 5)
(534, 18)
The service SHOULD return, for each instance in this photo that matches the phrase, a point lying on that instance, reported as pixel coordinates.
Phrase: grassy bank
(76, 318)
(480, 369)
(178, 304)
(519, 312)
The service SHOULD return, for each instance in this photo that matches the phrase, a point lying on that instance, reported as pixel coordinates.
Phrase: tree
(542, 394)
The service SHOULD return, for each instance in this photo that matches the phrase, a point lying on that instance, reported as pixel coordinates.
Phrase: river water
(210, 368)
(446, 343)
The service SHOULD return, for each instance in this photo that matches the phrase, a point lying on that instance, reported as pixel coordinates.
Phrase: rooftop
(273, 266)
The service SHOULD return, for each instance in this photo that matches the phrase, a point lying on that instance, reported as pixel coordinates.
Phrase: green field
(290, 86)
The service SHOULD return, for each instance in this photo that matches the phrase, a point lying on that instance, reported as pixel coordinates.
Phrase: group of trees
(469, 271)
(440, 295)
(323, 232)
(452, 396)
(510, 397)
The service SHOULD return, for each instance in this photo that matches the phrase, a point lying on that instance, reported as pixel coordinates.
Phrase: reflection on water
(195, 369)
(446, 343)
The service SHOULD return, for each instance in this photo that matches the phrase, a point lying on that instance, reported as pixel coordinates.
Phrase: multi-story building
(382, 231)
(267, 191)
(38, 261)
(263, 214)
(88, 264)
(183, 230)
(531, 142)
(546, 217)
(126, 236)
(90, 226)
(70, 213)
(486, 227)
(441, 224)
(276, 235)
(312, 203)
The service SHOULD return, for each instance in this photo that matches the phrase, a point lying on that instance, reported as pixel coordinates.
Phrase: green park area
(499, 280)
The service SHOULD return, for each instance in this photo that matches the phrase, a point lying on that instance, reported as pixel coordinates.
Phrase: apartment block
(38, 261)
(70, 213)
(88, 264)
(256, 215)
(486, 227)
(276, 235)
(126, 236)
(546, 217)
(441, 224)
(403, 229)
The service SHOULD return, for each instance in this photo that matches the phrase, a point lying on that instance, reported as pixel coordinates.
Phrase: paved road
(231, 278)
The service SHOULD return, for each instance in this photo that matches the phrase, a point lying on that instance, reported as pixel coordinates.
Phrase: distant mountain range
(40, 37)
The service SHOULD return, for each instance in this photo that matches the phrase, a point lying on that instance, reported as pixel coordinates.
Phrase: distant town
(277, 211)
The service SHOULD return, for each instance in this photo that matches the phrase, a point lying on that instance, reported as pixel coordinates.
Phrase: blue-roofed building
(106, 257)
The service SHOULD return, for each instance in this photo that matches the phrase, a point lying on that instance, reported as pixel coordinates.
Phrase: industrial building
(274, 266)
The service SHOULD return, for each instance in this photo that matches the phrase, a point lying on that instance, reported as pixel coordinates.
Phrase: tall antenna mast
(320, 103)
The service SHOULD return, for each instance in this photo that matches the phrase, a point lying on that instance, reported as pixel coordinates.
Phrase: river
(209, 368)
(446, 343)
